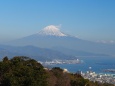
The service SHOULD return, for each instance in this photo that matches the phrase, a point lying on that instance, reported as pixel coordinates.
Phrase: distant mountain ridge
(36, 52)
(51, 37)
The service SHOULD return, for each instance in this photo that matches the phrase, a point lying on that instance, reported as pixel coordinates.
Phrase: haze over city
(92, 20)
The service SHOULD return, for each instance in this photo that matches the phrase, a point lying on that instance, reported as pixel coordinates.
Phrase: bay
(96, 64)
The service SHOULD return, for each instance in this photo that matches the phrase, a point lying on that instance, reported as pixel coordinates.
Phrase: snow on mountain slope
(51, 30)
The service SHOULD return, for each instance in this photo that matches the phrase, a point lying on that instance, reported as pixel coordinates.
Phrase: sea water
(96, 64)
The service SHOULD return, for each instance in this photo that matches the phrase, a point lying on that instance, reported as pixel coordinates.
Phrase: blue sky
(88, 19)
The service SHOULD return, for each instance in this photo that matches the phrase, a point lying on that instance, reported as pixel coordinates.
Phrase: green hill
(24, 71)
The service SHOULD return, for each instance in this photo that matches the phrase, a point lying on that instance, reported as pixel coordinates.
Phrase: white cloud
(107, 42)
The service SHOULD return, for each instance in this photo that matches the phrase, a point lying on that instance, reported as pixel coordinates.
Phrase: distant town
(101, 77)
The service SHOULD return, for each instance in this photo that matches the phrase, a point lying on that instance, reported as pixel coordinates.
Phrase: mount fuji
(51, 37)
(51, 31)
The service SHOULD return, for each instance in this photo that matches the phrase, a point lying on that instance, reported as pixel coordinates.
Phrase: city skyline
(92, 20)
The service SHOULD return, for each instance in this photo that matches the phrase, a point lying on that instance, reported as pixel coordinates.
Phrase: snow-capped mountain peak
(51, 30)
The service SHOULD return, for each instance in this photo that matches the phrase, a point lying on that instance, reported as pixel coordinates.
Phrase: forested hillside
(24, 71)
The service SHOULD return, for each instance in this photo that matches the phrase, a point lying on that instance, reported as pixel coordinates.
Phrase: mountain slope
(51, 36)
(31, 51)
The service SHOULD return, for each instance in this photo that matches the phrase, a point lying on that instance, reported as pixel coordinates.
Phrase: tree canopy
(22, 71)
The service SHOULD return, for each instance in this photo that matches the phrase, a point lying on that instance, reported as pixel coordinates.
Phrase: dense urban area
(101, 78)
